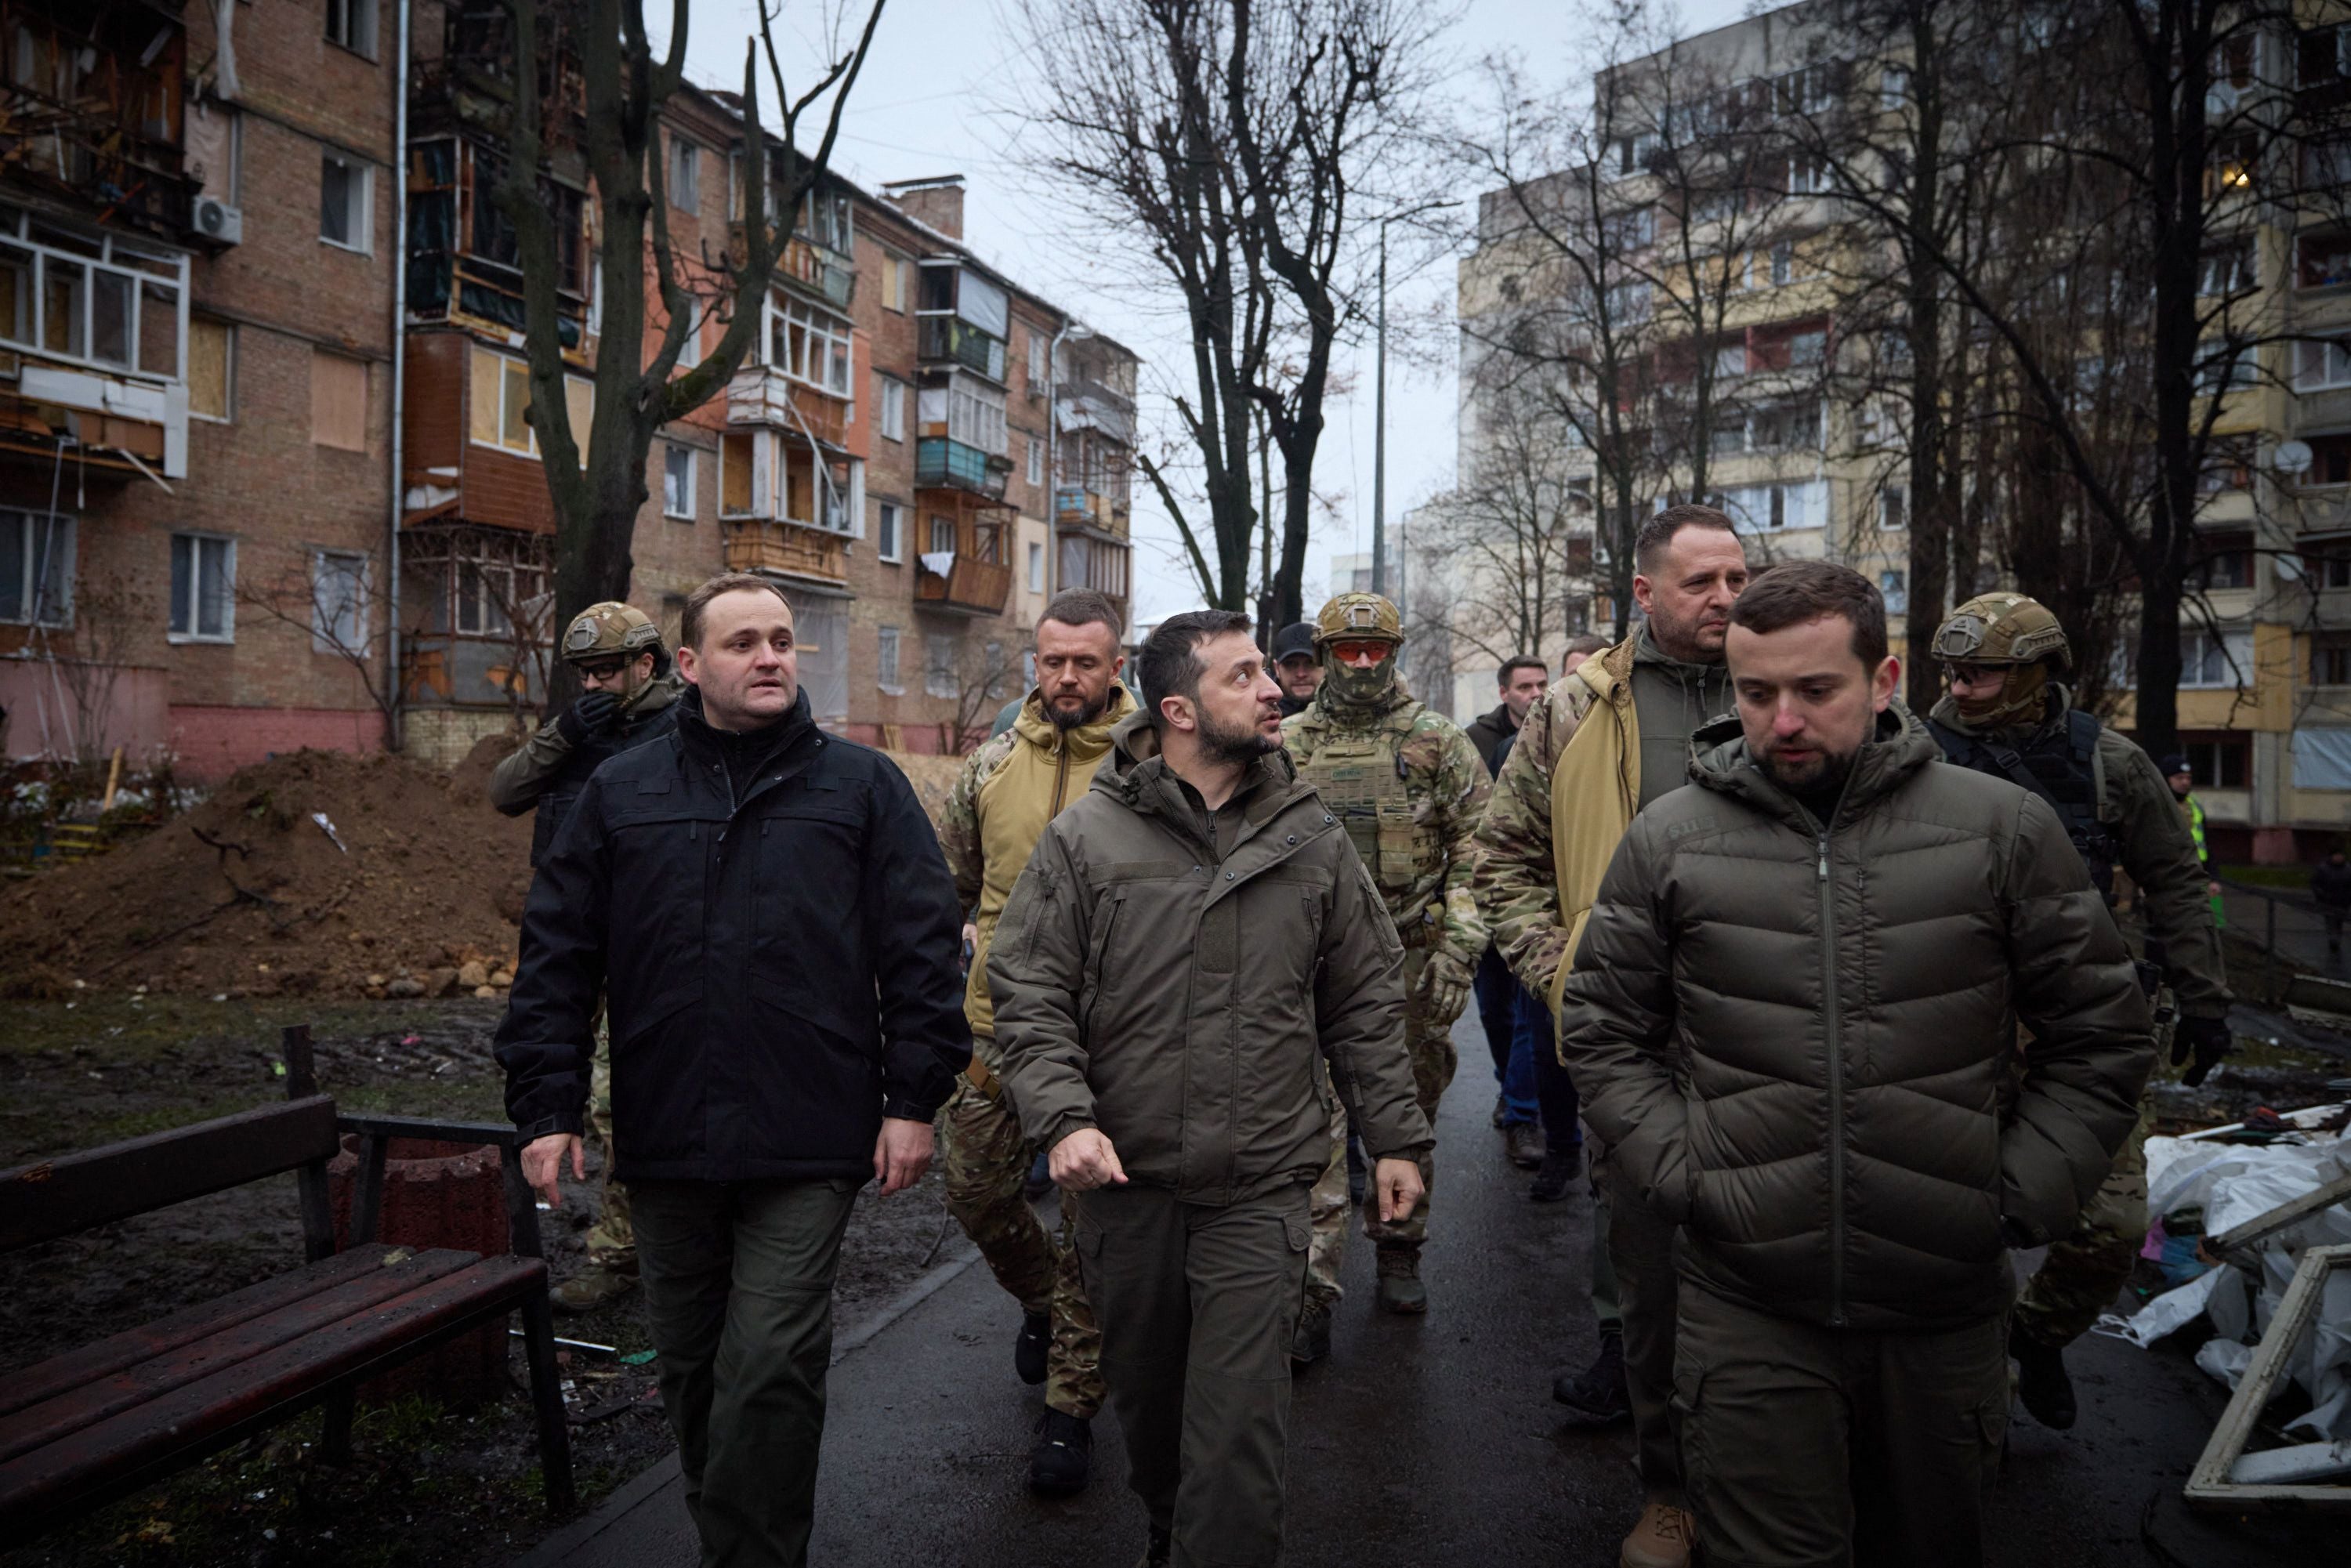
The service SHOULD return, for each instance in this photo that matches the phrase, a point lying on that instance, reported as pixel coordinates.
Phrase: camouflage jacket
(1513, 876)
(1410, 789)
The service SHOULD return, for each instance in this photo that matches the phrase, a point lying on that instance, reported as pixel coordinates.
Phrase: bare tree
(1234, 145)
(603, 48)
(1512, 546)
(986, 674)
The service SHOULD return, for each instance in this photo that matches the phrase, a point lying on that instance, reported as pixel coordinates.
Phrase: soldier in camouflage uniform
(2008, 715)
(1410, 789)
(1014, 785)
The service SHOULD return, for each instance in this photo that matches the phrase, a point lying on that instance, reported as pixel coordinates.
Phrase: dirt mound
(249, 894)
(932, 777)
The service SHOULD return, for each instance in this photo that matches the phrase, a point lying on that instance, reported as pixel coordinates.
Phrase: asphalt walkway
(1430, 1441)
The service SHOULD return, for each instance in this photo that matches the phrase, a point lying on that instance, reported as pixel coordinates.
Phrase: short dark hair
(1523, 662)
(1084, 607)
(1796, 591)
(1580, 647)
(1659, 531)
(1170, 664)
(689, 625)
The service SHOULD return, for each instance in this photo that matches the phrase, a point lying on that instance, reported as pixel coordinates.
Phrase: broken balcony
(786, 506)
(93, 107)
(967, 570)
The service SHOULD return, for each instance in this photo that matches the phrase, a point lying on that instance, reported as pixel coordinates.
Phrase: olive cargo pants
(1197, 1303)
(1635, 1294)
(1836, 1448)
(738, 1296)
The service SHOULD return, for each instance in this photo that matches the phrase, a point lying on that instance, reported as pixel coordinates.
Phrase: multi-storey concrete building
(267, 476)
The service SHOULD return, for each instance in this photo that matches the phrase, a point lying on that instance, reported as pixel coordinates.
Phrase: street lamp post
(1380, 408)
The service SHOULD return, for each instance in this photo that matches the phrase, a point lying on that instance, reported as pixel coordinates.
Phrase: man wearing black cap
(1297, 667)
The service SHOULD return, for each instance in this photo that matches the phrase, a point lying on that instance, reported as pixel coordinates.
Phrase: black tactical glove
(2208, 1039)
(592, 712)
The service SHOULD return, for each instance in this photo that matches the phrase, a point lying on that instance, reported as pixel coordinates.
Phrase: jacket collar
(653, 698)
(1896, 750)
(1609, 673)
(704, 742)
(1137, 775)
(1087, 742)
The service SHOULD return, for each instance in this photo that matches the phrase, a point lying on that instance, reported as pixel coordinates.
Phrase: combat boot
(1061, 1460)
(1661, 1540)
(1312, 1342)
(1400, 1287)
(594, 1286)
(2041, 1380)
(1597, 1397)
(1029, 1351)
(1560, 1166)
(1523, 1142)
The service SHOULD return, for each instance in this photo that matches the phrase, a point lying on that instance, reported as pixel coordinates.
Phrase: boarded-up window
(500, 416)
(212, 369)
(339, 393)
(734, 473)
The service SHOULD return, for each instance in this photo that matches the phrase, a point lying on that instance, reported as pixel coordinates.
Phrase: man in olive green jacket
(1793, 1016)
(1187, 940)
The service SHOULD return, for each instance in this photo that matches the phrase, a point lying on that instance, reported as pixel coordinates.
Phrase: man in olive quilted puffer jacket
(1793, 1016)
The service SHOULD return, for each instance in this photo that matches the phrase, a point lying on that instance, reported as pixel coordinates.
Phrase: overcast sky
(930, 102)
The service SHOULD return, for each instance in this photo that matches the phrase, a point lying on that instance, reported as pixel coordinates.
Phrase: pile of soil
(416, 892)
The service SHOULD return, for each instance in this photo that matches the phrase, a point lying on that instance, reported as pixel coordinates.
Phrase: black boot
(1560, 1166)
(2041, 1380)
(1062, 1457)
(1312, 1342)
(1596, 1396)
(1028, 1350)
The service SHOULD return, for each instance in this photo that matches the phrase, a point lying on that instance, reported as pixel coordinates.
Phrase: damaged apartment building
(267, 473)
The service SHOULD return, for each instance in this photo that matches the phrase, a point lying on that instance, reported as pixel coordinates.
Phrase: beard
(1084, 714)
(1240, 744)
(1820, 774)
(1679, 639)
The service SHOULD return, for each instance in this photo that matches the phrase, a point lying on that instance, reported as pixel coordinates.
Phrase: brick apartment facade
(207, 383)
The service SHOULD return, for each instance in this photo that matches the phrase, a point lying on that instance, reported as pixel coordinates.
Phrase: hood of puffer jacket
(1087, 741)
(1898, 746)
(1136, 773)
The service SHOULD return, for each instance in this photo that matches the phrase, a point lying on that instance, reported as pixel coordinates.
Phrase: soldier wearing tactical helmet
(627, 698)
(1410, 789)
(2009, 713)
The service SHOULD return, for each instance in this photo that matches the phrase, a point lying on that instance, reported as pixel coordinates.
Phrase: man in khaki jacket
(1186, 941)
(1613, 736)
(1009, 790)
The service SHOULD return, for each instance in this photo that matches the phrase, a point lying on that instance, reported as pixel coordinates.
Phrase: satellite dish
(2291, 457)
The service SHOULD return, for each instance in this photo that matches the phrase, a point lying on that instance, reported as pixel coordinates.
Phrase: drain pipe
(395, 682)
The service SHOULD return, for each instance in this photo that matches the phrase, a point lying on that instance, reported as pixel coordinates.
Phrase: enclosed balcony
(941, 463)
(787, 506)
(967, 569)
(94, 102)
(787, 549)
(962, 319)
(763, 395)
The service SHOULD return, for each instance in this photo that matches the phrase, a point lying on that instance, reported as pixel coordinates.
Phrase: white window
(943, 533)
(1808, 347)
(885, 661)
(1036, 460)
(203, 587)
(887, 544)
(500, 416)
(74, 294)
(808, 345)
(351, 24)
(1037, 349)
(1807, 177)
(37, 560)
(1036, 569)
(2222, 366)
(1803, 503)
(976, 416)
(338, 602)
(2207, 663)
(1730, 360)
(1784, 263)
(685, 173)
(1893, 588)
(892, 396)
(677, 481)
(1894, 506)
(1628, 302)
(343, 205)
(940, 665)
(2320, 365)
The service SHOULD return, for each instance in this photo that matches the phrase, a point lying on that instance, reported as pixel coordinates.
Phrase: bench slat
(43, 1201)
(87, 1363)
(186, 1419)
(303, 1312)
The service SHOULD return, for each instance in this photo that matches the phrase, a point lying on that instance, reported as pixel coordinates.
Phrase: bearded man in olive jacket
(1186, 941)
(1793, 1016)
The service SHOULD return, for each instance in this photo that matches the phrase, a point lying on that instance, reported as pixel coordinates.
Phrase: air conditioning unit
(219, 221)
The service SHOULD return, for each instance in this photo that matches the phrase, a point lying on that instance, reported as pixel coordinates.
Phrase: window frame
(889, 532)
(197, 538)
(61, 619)
(1036, 459)
(360, 16)
(687, 148)
(890, 418)
(938, 676)
(686, 513)
(363, 204)
(821, 331)
(530, 451)
(323, 639)
(889, 653)
(140, 264)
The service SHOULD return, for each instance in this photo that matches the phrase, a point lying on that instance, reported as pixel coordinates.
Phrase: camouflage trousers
(2081, 1274)
(611, 1241)
(1434, 1060)
(985, 1160)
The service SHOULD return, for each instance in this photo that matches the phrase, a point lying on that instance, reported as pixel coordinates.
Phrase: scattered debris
(328, 828)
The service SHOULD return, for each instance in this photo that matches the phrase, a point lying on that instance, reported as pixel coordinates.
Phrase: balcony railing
(970, 585)
(828, 273)
(785, 548)
(941, 463)
(761, 394)
(951, 340)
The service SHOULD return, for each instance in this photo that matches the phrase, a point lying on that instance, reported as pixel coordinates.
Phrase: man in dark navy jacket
(767, 909)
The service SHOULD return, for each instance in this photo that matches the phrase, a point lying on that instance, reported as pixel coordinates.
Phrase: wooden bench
(99, 1422)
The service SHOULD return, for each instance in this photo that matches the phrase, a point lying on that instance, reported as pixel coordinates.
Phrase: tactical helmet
(603, 630)
(1352, 616)
(2002, 628)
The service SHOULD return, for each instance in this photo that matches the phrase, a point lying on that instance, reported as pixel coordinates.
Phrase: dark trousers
(1496, 992)
(1197, 1303)
(1554, 1090)
(1828, 1447)
(738, 1295)
(1636, 1293)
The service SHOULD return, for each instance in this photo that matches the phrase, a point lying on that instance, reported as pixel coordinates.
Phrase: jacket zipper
(1060, 776)
(1836, 1086)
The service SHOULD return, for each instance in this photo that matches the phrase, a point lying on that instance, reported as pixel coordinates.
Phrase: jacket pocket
(1106, 924)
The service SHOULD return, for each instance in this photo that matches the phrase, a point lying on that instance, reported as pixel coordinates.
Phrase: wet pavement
(1428, 1441)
